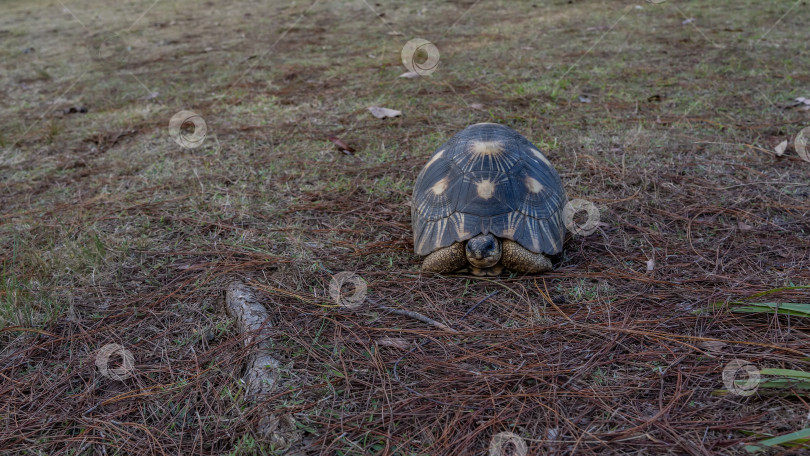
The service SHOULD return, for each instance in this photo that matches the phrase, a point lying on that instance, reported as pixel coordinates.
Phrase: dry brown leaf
(800, 103)
(382, 113)
(396, 342)
(780, 149)
(712, 345)
(342, 146)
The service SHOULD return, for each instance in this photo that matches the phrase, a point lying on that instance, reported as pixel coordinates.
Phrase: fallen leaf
(395, 342)
(476, 106)
(342, 146)
(712, 345)
(584, 99)
(801, 103)
(410, 75)
(744, 226)
(688, 21)
(382, 113)
(650, 264)
(780, 149)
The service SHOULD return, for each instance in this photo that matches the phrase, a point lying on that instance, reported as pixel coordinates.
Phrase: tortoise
(488, 200)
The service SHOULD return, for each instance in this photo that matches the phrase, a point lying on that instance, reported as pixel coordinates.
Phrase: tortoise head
(483, 251)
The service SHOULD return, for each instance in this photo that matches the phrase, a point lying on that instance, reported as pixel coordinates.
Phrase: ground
(665, 115)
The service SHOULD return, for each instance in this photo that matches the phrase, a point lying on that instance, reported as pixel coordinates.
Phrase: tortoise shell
(488, 179)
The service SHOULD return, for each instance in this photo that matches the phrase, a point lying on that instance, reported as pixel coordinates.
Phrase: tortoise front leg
(518, 259)
(491, 272)
(446, 260)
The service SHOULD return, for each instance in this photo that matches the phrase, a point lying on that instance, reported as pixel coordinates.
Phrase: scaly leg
(446, 260)
(518, 259)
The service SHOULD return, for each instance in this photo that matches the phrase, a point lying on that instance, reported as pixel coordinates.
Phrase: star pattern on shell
(488, 179)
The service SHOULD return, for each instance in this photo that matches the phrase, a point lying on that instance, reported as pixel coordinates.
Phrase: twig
(417, 316)
(396, 364)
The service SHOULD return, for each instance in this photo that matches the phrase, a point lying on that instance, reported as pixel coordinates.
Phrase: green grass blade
(777, 290)
(790, 373)
(787, 308)
(797, 437)
(784, 384)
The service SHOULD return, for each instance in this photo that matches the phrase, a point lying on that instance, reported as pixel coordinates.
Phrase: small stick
(396, 364)
(428, 320)
(480, 302)
(548, 299)
(416, 316)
